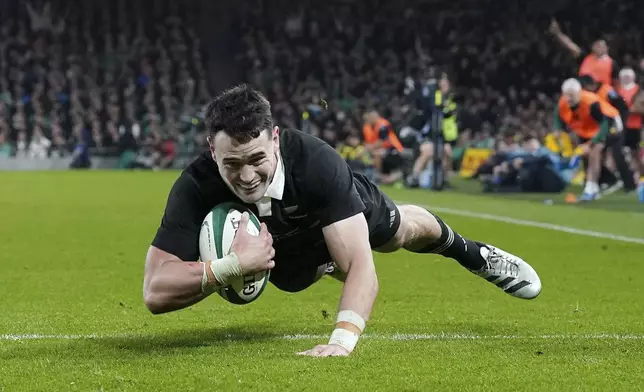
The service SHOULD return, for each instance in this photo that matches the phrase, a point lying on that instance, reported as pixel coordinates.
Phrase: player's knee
(415, 222)
(426, 149)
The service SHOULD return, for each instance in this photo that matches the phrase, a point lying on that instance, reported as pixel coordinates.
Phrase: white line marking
(376, 336)
(524, 222)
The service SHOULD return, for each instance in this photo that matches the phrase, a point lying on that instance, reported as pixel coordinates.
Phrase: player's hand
(585, 148)
(255, 253)
(326, 350)
(554, 27)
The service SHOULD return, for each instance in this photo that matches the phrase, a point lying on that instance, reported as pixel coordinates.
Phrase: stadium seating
(114, 75)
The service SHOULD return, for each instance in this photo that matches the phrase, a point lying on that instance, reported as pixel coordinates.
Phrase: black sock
(453, 245)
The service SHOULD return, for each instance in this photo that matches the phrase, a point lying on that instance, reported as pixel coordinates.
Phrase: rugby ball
(217, 232)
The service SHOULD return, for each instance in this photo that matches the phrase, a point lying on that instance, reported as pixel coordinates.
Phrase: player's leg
(447, 160)
(632, 139)
(593, 164)
(420, 231)
(616, 143)
(416, 229)
(426, 151)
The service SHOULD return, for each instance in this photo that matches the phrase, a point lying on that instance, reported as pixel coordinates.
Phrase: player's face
(443, 84)
(247, 168)
(600, 47)
(626, 79)
(572, 97)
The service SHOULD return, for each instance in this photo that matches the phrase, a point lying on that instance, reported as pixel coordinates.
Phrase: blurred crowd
(324, 67)
(128, 79)
(120, 78)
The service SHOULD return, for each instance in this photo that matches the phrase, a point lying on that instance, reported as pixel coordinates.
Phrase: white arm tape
(222, 269)
(344, 338)
(349, 316)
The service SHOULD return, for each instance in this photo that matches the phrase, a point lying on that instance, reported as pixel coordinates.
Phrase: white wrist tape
(344, 338)
(349, 316)
(226, 268)
(222, 270)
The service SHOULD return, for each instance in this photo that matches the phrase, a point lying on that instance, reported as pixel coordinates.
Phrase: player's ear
(276, 136)
(211, 147)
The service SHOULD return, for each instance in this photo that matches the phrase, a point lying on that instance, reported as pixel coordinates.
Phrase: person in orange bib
(591, 119)
(598, 63)
(384, 146)
(614, 141)
(634, 97)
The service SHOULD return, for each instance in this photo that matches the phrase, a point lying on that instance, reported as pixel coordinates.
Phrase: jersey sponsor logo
(290, 209)
(295, 231)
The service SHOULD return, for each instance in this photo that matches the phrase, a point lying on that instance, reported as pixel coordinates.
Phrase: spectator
(39, 145)
(6, 149)
(21, 145)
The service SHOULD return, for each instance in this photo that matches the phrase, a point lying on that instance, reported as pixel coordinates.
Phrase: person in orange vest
(384, 146)
(614, 142)
(634, 97)
(598, 63)
(591, 119)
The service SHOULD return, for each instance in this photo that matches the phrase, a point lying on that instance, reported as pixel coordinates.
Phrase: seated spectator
(528, 168)
(355, 154)
(383, 145)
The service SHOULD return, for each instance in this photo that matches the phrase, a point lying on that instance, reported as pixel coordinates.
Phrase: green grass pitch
(72, 248)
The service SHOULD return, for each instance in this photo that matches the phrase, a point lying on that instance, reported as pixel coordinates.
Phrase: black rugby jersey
(318, 190)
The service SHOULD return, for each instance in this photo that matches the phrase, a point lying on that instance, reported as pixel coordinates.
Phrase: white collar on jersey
(275, 189)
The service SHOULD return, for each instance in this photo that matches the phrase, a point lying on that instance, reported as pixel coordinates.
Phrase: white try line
(386, 337)
(529, 223)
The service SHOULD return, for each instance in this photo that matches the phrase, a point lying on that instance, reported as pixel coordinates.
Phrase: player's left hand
(326, 350)
(585, 148)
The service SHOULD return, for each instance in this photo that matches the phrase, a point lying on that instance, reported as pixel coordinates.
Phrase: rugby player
(614, 141)
(313, 210)
(591, 118)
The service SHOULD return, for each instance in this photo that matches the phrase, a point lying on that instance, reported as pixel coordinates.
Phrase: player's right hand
(255, 253)
(554, 27)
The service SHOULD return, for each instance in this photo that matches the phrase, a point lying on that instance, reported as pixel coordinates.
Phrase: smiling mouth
(246, 188)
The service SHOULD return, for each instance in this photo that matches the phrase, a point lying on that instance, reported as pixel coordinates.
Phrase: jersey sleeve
(383, 131)
(615, 72)
(558, 123)
(618, 103)
(178, 233)
(604, 125)
(330, 185)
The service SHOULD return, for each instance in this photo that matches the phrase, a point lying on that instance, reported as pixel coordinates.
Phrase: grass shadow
(189, 338)
(152, 342)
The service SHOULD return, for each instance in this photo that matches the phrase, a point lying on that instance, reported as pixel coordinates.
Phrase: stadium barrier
(30, 164)
(472, 159)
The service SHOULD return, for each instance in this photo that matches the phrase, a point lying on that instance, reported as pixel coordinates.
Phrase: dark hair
(241, 112)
